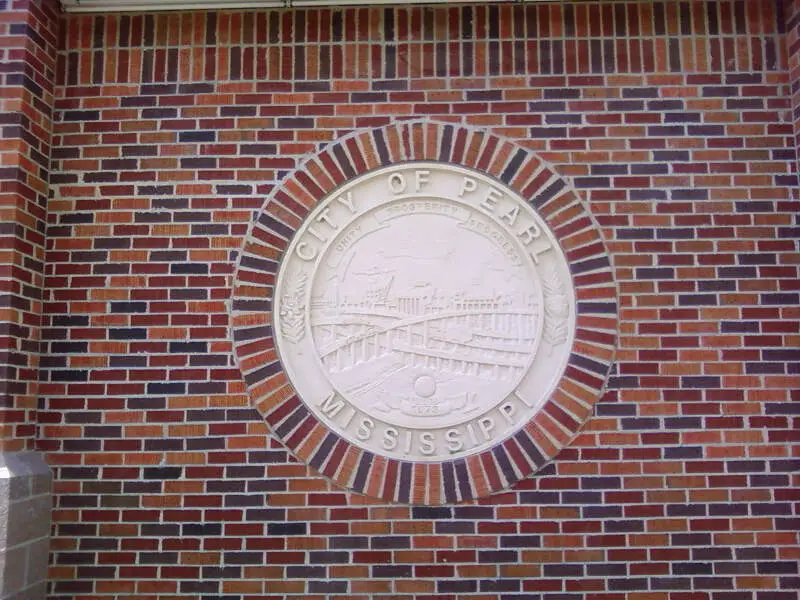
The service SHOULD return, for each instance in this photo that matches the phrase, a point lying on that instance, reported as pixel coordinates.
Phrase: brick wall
(28, 47)
(673, 122)
(28, 42)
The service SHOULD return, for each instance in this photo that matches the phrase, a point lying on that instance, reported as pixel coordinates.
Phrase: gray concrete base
(25, 507)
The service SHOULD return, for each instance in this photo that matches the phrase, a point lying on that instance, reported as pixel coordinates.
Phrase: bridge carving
(489, 343)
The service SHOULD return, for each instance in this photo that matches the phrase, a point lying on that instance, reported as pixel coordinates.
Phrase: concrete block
(25, 510)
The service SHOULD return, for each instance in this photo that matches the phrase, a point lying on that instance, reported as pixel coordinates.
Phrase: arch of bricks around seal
(554, 424)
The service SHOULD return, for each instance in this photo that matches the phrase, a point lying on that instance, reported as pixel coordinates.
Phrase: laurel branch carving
(556, 309)
(293, 309)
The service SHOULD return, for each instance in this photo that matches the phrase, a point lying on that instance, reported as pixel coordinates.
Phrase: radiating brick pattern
(172, 132)
(507, 461)
(28, 42)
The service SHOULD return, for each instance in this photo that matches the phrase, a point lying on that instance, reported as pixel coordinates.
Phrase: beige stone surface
(424, 311)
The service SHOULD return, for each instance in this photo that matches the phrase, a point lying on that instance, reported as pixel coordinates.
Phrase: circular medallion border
(509, 460)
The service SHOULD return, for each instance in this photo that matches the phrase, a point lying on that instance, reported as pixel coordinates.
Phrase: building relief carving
(424, 311)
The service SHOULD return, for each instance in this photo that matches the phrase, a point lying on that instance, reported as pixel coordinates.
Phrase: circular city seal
(424, 311)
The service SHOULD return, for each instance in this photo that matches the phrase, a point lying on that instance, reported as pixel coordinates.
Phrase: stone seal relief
(424, 313)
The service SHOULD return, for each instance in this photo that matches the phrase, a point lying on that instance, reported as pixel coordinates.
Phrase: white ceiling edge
(78, 6)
